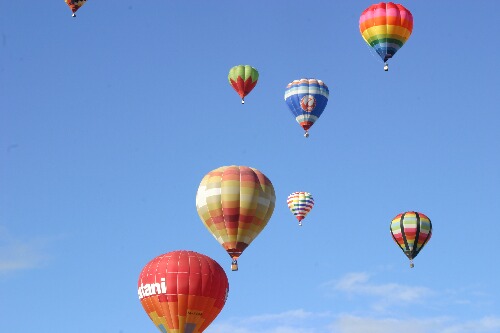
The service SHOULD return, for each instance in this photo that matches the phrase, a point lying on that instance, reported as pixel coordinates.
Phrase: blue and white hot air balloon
(306, 99)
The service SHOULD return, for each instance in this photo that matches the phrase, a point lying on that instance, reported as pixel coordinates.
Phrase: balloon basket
(386, 67)
(234, 266)
(411, 264)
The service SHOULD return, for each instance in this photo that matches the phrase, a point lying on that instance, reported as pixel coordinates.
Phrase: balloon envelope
(243, 78)
(182, 291)
(386, 27)
(74, 5)
(411, 231)
(306, 99)
(235, 203)
(300, 204)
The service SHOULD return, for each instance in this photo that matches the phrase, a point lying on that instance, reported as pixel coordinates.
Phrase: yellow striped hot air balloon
(235, 203)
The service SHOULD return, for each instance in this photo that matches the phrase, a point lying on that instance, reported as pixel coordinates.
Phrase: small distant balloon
(74, 5)
(243, 78)
(300, 204)
(411, 231)
(306, 99)
(386, 27)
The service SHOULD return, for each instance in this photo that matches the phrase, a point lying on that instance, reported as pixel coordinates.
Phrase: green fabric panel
(243, 71)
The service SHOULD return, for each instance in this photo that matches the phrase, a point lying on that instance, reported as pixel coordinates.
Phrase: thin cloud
(287, 316)
(484, 325)
(347, 323)
(355, 324)
(236, 328)
(358, 284)
(293, 321)
(16, 254)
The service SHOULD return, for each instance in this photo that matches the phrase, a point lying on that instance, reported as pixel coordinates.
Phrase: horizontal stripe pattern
(411, 231)
(300, 204)
(386, 27)
(235, 203)
(306, 100)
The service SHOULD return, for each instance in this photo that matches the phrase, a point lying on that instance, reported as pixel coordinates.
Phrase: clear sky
(108, 123)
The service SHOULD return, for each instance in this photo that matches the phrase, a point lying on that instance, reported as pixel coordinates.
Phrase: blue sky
(109, 121)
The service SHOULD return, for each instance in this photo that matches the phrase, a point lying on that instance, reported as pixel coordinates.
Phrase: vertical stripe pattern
(411, 231)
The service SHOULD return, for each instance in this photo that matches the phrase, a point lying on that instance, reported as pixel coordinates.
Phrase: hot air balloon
(306, 99)
(235, 203)
(411, 231)
(74, 5)
(386, 27)
(182, 291)
(300, 203)
(243, 79)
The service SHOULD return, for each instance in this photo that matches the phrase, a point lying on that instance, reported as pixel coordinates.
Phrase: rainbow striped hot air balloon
(74, 5)
(306, 99)
(235, 203)
(300, 204)
(243, 78)
(386, 27)
(411, 231)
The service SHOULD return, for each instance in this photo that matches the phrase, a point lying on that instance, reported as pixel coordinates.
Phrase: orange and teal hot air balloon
(386, 27)
(182, 291)
(300, 204)
(74, 5)
(243, 79)
(235, 203)
(411, 231)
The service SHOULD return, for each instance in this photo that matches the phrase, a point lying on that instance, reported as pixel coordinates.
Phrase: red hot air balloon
(74, 5)
(243, 79)
(182, 291)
